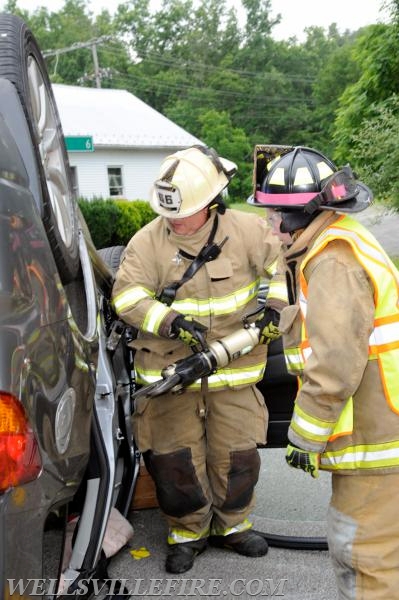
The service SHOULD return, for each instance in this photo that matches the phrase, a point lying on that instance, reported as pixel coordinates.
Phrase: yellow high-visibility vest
(383, 347)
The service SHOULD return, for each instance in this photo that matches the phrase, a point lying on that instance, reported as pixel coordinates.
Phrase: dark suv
(66, 447)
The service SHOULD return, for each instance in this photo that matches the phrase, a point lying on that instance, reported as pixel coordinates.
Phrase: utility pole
(77, 46)
(95, 63)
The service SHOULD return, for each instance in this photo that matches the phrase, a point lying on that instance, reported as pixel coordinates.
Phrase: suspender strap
(209, 252)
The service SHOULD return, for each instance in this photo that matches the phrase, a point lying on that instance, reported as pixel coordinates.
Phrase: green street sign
(79, 143)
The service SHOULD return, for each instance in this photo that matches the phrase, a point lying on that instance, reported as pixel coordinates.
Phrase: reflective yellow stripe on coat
(219, 380)
(222, 305)
(194, 307)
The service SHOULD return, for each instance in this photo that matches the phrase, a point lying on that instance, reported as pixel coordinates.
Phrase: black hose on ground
(294, 542)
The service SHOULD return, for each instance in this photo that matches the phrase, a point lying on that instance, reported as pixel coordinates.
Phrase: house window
(74, 181)
(115, 181)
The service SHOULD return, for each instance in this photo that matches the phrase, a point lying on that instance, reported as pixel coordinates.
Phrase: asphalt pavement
(384, 224)
(289, 503)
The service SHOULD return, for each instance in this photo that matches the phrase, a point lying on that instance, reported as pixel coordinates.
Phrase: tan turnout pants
(363, 536)
(200, 448)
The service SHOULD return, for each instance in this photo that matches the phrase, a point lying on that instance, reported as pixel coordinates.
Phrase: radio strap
(209, 252)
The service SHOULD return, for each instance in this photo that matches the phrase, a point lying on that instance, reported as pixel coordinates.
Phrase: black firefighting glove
(189, 331)
(303, 459)
(268, 325)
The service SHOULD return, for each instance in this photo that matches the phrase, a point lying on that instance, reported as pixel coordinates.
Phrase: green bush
(100, 216)
(113, 222)
(128, 221)
(146, 212)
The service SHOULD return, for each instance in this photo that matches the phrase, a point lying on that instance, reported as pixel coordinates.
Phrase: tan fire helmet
(189, 180)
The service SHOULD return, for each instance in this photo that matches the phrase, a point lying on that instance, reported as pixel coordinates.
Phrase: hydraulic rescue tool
(215, 355)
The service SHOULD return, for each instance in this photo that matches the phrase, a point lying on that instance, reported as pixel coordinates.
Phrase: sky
(296, 14)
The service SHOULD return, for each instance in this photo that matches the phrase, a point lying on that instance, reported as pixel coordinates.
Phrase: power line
(166, 88)
(78, 46)
(157, 59)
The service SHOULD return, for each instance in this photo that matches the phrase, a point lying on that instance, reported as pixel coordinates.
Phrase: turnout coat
(218, 295)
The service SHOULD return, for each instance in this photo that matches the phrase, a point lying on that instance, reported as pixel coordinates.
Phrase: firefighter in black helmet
(341, 338)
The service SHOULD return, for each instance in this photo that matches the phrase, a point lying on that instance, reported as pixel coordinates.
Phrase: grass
(248, 208)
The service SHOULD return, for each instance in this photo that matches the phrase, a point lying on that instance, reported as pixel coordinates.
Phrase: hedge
(113, 222)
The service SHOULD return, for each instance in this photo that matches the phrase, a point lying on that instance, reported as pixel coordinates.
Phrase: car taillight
(20, 459)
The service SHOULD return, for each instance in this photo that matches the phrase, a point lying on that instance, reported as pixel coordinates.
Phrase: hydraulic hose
(294, 542)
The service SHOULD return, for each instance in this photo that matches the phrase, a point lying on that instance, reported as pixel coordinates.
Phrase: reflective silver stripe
(294, 358)
(307, 352)
(369, 457)
(385, 334)
(239, 377)
(146, 377)
(243, 526)
(311, 428)
(303, 303)
(365, 247)
(130, 298)
(271, 270)
(179, 536)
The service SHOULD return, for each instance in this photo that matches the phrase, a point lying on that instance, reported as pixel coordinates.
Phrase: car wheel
(22, 63)
(112, 256)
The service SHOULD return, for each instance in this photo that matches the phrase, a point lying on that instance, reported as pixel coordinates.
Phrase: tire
(22, 63)
(112, 256)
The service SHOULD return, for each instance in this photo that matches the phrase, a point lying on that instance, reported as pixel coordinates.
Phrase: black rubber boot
(180, 557)
(247, 543)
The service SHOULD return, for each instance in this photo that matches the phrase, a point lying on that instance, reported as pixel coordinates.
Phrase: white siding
(126, 132)
(140, 168)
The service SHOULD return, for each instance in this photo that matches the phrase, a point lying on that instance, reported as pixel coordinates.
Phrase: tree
(232, 143)
(374, 52)
(376, 150)
(194, 62)
(337, 72)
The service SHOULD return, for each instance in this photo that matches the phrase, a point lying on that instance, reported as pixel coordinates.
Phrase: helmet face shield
(340, 187)
(342, 192)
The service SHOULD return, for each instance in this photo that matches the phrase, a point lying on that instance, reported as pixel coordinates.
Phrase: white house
(115, 141)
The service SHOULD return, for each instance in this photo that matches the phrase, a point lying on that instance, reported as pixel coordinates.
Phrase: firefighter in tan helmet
(341, 338)
(187, 278)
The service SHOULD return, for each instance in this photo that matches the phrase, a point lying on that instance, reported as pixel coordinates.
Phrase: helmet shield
(169, 197)
(342, 192)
